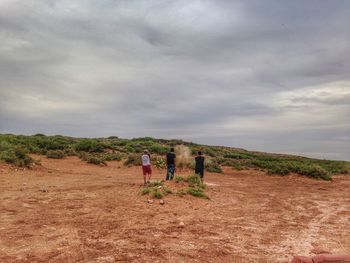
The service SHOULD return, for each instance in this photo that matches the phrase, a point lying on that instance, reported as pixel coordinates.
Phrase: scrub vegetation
(16, 149)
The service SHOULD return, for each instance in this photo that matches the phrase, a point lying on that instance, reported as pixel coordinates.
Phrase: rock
(150, 201)
(162, 202)
(181, 224)
(43, 190)
(24, 183)
(159, 187)
(49, 171)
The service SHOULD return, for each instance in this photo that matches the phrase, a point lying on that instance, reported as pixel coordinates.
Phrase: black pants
(200, 172)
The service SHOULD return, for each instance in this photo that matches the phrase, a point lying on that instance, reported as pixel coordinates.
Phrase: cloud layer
(262, 75)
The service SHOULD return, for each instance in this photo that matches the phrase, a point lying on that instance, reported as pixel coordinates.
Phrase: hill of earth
(17, 150)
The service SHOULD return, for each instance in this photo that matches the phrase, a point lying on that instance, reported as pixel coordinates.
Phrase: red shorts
(147, 169)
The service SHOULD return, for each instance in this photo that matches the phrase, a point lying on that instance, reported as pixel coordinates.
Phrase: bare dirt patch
(70, 211)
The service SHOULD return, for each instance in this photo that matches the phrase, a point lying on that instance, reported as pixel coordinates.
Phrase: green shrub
(145, 190)
(166, 190)
(55, 154)
(235, 155)
(179, 179)
(89, 145)
(133, 159)
(213, 167)
(157, 194)
(155, 183)
(159, 163)
(158, 149)
(112, 157)
(16, 156)
(96, 160)
(197, 192)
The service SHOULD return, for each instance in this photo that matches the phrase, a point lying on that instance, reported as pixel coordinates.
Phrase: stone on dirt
(181, 224)
(150, 201)
(162, 202)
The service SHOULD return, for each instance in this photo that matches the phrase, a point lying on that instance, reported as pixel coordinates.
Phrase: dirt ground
(70, 211)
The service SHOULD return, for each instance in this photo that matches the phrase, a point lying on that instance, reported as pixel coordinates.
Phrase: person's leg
(202, 175)
(149, 175)
(144, 172)
(167, 173)
(172, 172)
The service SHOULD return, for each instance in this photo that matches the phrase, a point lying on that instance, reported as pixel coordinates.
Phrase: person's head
(172, 150)
(199, 153)
(145, 151)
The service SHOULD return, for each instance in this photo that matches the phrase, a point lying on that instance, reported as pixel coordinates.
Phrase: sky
(270, 75)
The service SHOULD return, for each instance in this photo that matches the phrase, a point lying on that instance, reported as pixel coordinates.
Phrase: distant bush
(159, 163)
(40, 134)
(236, 155)
(89, 145)
(112, 157)
(55, 154)
(213, 167)
(96, 160)
(158, 149)
(16, 156)
(133, 159)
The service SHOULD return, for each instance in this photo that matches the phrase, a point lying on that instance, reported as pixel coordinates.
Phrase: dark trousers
(200, 172)
(170, 172)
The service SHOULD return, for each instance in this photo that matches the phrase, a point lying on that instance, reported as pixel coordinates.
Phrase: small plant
(179, 179)
(213, 167)
(133, 159)
(55, 154)
(166, 190)
(157, 194)
(96, 160)
(145, 191)
(155, 183)
(198, 192)
(159, 163)
(89, 145)
(112, 157)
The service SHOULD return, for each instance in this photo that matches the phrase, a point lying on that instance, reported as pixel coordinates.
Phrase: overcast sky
(261, 75)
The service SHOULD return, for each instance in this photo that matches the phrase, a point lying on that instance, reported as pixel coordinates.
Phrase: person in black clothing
(170, 163)
(199, 165)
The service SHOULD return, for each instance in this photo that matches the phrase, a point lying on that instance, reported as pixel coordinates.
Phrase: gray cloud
(266, 75)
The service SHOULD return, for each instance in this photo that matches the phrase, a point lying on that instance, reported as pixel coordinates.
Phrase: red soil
(70, 211)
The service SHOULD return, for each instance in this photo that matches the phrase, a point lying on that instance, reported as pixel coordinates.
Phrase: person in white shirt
(146, 167)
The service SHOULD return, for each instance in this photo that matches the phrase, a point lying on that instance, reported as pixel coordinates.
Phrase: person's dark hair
(199, 153)
(171, 149)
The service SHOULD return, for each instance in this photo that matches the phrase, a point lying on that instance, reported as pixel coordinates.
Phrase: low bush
(112, 157)
(55, 154)
(179, 179)
(96, 160)
(133, 159)
(197, 192)
(89, 145)
(145, 191)
(16, 156)
(159, 163)
(213, 167)
(157, 194)
(237, 155)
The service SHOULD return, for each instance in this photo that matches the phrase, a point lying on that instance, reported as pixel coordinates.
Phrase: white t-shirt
(146, 160)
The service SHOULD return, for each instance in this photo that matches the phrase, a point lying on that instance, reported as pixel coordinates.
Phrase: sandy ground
(70, 211)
